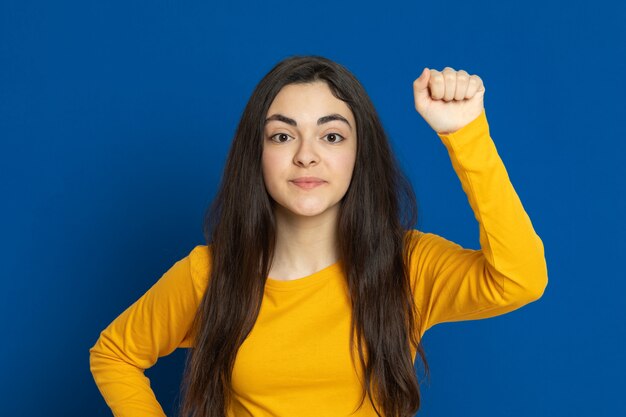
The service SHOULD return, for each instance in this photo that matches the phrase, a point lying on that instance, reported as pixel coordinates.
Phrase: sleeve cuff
(479, 127)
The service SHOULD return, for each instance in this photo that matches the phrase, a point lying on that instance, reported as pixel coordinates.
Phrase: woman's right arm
(154, 326)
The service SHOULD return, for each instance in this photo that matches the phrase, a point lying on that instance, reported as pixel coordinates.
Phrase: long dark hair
(376, 213)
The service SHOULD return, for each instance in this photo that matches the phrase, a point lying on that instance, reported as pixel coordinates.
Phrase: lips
(308, 182)
(303, 180)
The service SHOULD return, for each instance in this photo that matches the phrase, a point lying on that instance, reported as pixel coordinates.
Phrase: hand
(448, 100)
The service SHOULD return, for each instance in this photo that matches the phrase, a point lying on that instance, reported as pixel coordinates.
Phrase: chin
(305, 210)
(311, 212)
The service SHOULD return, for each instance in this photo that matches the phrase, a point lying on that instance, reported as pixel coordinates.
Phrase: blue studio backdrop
(116, 119)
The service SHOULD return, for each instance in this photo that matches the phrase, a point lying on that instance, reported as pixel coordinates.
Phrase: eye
(280, 137)
(334, 137)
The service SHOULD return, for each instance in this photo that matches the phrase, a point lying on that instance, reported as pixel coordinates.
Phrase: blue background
(116, 118)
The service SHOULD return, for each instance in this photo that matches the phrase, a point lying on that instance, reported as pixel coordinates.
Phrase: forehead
(314, 98)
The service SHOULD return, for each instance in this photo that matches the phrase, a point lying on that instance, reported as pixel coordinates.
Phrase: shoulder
(200, 261)
(425, 249)
(200, 257)
(412, 238)
(420, 240)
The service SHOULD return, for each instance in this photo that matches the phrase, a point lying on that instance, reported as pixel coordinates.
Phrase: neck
(304, 244)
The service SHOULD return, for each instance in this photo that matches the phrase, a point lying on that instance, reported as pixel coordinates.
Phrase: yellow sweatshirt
(296, 361)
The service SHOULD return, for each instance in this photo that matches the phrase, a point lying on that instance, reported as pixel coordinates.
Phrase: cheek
(344, 166)
(271, 162)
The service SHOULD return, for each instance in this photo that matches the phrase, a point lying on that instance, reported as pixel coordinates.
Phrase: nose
(306, 153)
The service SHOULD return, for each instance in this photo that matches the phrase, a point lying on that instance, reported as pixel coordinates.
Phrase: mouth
(307, 183)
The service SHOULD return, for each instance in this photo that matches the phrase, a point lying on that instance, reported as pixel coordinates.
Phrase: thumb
(421, 83)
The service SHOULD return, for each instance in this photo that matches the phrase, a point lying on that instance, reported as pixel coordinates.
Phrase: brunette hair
(377, 211)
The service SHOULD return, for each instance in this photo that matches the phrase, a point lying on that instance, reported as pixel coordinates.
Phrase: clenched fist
(448, 100)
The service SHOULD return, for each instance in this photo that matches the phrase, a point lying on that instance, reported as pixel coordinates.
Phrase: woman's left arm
(454, 283)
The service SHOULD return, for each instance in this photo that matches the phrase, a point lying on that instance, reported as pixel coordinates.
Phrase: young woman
(314, 290)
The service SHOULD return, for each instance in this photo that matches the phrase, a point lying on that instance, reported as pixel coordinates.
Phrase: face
(309, 149)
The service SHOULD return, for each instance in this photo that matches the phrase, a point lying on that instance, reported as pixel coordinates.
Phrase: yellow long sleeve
(155, 325)
(509, 271)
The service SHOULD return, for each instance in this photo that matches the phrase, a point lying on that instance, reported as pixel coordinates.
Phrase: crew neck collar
(304, 282)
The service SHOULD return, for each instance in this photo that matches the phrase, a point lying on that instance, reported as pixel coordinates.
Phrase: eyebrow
(320, 121)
